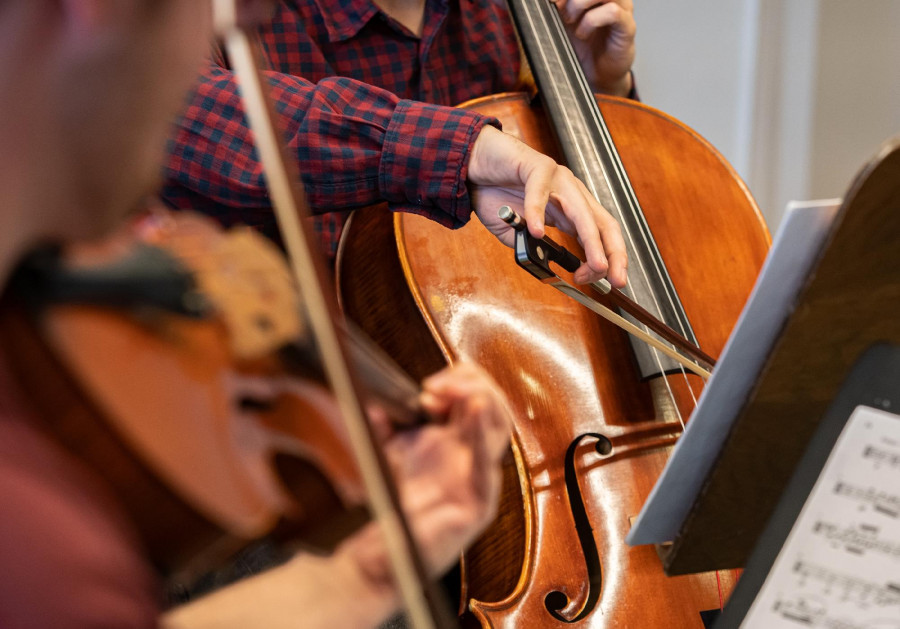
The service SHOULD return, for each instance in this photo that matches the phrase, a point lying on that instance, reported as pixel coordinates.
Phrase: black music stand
(849, 303)
(875, 383)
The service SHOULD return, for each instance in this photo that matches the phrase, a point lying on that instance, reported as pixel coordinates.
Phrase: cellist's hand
(602, 34)
(505, 171)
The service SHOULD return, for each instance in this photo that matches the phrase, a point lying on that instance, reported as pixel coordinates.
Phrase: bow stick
(290, 205)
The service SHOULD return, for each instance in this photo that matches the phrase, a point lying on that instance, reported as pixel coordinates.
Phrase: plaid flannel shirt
(356, 144)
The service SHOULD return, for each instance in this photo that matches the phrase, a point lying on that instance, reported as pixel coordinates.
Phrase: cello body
(590, 437)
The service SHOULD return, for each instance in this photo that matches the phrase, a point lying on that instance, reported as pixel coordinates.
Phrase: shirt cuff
(425, 159)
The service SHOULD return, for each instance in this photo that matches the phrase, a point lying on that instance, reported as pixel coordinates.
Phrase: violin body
(206, 437)
(590, 437)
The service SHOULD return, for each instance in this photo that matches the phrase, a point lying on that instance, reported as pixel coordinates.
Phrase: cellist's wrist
(623, 87)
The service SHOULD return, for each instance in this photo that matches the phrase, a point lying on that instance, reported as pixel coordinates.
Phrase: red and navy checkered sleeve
(356, 145)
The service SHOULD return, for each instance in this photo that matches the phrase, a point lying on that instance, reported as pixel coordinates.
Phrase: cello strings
(624, 186)
(551, 20)
(564, 43)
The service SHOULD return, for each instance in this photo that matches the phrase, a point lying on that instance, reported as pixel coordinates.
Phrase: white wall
(795, 93)
(857, 88)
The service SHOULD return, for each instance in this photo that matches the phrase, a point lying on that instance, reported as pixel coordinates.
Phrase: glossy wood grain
(571, 376)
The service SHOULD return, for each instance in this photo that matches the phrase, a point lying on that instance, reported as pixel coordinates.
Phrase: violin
(176, 363)
(596, 412)
(224, 453)
(421, 601)
(191, 402)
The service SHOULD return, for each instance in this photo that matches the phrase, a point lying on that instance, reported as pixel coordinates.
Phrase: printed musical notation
(840, 565)
(857, 540)
(861, 591)
(814, 612)
(887, 503)
(880, 456)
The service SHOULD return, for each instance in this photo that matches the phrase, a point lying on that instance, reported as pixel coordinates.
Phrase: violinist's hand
(449, 481)
(505, 171)
(602, 33)
(448, 473)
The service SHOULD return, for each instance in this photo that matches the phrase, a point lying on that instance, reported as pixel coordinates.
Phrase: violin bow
(291, 206)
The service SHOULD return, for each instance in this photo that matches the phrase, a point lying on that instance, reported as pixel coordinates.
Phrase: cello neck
(591, 154)
(565, 93)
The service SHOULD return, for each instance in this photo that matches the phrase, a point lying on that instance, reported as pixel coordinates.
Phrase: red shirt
(355, 144)
(69, 555)
(468, 48)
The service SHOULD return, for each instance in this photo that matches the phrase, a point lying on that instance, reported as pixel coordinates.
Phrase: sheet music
(840, 565)
(796, 245)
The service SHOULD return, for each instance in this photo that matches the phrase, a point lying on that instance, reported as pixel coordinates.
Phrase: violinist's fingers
(380, 421)
(450, 482)
(448, 474)
(471, 400)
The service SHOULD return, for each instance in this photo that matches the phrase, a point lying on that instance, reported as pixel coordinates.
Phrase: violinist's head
(88, 89)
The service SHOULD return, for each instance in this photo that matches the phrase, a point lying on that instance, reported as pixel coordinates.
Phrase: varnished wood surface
(206, 445)
(848, 304)
(569, 373)
(172, 531)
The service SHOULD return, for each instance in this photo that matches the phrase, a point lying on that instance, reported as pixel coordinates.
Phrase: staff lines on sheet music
(816, 615)
(881, 595)
(885, 503)
(882, 455)
(800, 611)
(857, 539)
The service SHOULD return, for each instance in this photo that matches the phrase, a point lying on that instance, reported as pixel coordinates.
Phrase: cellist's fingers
(615, 11)
(596, 229)
(503, 167)
(610, 19)
(602, 33)
(500, 163)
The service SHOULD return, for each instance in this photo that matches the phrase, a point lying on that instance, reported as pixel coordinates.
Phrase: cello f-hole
(557, 601)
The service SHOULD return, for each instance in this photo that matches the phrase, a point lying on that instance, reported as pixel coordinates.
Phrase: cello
(595, 413)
